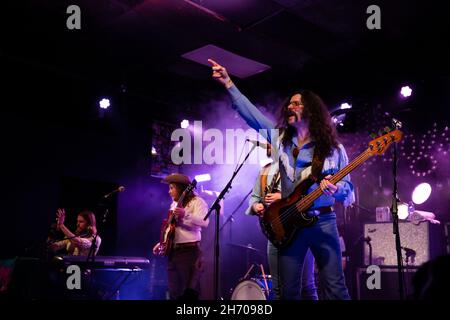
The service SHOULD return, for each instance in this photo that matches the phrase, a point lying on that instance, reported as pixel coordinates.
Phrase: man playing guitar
(267, 189)
(184, 255)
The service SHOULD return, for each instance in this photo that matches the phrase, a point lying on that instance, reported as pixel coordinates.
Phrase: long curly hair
(321, 128)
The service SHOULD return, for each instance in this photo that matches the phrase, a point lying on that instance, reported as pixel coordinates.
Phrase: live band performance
(195, 150)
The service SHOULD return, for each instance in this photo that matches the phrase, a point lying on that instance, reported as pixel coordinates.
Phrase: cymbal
(242, 246)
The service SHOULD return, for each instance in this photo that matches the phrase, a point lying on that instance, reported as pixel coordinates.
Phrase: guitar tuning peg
(380, 132)
(387, 129)
(373, 135)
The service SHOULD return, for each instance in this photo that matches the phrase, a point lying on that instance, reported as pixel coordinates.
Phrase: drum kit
(253, 286)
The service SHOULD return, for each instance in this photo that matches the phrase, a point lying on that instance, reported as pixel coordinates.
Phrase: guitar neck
(180, 200)
(273, 183)
(308, 200)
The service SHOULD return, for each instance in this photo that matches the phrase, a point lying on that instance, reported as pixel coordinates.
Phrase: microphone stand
(93, 249)
(367, 240)
(216, 206)
(231, 216)
(90, 259)
(394, 211)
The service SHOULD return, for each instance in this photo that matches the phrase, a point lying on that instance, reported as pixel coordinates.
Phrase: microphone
(119, 189)
(258, 143)
(409, 251)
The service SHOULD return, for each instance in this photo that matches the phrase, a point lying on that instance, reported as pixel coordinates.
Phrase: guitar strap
(264, 178)
(264, 175)
(317, 167)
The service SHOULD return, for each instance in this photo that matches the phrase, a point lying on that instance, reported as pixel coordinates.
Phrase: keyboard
(106, 262)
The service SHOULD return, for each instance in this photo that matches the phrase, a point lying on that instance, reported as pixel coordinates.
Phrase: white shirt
(189, 227)
(77, 250)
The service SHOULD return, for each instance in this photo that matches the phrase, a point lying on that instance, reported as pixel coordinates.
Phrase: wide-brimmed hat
(177, 178)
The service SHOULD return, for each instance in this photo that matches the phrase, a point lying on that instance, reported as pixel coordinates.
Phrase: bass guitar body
(282, 219)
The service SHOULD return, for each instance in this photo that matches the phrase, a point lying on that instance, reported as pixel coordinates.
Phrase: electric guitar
(169, 224)
(283, 218)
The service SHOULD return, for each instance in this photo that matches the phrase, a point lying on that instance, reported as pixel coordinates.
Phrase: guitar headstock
(186, 191)
(379, 145)
(192, 186)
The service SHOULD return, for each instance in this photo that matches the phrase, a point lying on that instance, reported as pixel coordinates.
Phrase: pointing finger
(215, 64)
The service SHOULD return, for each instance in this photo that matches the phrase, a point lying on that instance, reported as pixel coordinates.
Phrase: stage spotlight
(154, 153)
(104, 103)
(184, 124)
(421, 193)
(203, 177)
(406, 91)
(403, 211)
(346, 105)
(338, 119)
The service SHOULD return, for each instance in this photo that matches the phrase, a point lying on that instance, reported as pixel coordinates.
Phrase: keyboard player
(76, 243)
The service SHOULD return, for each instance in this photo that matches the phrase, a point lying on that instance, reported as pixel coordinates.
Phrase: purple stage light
(203, 177)
(345, 105)
(104, 103)
(406, 91)
(184, 124)
(421, 193)
(403, 211)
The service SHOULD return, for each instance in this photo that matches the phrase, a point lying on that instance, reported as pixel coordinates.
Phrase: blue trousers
(308, 286)
(323, 240)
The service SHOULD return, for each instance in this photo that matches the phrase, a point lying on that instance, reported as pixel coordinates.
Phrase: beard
(290, 114)
(80, 231)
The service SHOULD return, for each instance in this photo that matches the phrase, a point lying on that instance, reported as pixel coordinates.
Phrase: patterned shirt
(77, 250)
(294, 170)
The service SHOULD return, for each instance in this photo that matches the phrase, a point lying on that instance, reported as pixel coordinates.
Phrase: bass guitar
(283, 218)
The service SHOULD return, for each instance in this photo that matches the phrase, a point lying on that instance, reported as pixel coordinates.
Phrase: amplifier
(414, 239)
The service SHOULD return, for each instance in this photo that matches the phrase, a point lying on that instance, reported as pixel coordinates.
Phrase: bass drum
(252, 289)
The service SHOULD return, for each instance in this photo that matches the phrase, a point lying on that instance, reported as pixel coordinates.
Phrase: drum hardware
(258, 287)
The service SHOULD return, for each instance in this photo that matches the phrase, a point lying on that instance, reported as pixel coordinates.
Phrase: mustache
(291, 113)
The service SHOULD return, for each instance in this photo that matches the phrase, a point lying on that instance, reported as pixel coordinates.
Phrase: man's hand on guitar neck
(327, 187)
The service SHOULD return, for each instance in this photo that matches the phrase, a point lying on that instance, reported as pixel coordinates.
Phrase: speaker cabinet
(414, 239)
